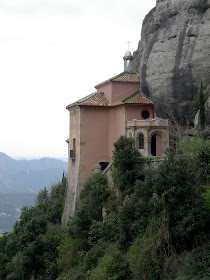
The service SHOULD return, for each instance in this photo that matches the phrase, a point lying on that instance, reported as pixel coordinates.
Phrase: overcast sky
(52, 53)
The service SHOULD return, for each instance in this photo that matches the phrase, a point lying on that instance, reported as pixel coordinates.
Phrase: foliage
(93, 196)
(162, 214)
(30, 250)
(202, 107)
(206, 193)
(125, 161)
(105, 230)
(151, 252)
(112, 266)
(42, 197)
(67, 254)
(155, 229)
(203, 5)
(196, 265)
(199, 103)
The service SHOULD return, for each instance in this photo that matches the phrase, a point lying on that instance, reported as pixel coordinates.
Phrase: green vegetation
(152, 224)
(10, 208)
(202, 6)
(202, 107)
(199, 103)
(156, 227)
(30, 250)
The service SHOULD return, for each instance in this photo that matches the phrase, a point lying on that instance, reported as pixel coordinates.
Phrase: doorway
(153, 145)
(156, 145)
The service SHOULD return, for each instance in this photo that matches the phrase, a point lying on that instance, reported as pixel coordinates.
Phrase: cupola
(128, 59)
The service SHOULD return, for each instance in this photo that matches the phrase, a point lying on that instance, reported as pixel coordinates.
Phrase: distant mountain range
(29, 175)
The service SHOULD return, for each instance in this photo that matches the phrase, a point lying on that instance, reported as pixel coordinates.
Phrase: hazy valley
(20, 181)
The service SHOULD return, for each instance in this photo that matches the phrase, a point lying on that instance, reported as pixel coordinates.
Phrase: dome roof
(128, 54)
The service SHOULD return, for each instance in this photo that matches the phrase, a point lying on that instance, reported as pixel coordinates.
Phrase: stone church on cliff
(96, 121)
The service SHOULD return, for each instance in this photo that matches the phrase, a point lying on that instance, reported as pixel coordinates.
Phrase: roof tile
(96, 100)
(99, 99)
(127, 77)
(135, 98)
(122, 77)
(93, 99)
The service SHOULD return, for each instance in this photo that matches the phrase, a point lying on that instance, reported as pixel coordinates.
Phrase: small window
(141, 141)
(73, 152)
(145, 114)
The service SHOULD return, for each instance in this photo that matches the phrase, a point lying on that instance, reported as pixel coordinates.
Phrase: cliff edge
(173, 57)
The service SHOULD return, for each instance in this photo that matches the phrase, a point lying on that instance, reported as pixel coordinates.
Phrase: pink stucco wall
(135, 111)
(118, 91)
(116, 125)
(107, 89)
(122, 90)
(94, 137)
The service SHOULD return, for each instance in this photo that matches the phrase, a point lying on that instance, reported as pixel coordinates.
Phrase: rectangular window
(73, 152)
(141, 141)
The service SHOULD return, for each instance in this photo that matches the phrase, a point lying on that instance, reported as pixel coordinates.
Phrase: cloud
(52, 53)
(111, 9)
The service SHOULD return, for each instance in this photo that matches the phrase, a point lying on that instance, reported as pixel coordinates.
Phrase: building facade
(96, 121)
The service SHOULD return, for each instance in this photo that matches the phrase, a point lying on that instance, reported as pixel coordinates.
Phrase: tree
(42, 197)
(202, 107)
(125, 162)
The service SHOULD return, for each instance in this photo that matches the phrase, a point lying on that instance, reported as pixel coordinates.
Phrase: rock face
(173, 56)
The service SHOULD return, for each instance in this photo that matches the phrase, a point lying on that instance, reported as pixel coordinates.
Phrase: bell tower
(128, 61)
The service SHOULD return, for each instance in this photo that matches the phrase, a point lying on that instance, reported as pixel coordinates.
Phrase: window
(73, 152)
(145, 114)
(141, 141)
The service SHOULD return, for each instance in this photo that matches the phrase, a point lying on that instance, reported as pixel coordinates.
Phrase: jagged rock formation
(173, 56)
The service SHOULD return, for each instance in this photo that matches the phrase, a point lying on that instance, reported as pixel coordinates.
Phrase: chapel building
(117, 108)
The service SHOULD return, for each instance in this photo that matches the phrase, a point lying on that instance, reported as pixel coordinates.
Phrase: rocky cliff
(173, 57)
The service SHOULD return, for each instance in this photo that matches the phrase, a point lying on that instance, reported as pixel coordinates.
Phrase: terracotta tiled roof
(135, 98)
(126, 77)
(122, 77)
(98, 99)
(93, 99)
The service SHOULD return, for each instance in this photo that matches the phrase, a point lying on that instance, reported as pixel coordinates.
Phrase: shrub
(196, 265)
(126, 167)
(203, 6)
(112, 266)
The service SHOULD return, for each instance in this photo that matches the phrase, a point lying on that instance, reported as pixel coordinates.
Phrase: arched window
(130, 135)
(141, 141)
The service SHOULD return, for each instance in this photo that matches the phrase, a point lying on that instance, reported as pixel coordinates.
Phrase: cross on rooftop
(128, 44)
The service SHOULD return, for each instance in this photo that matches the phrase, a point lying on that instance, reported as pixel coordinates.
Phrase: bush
(196, 265)
(112, 266)
(93, 197)
(151, 251)
(125, 162)
(31, 248)
(202, 7)
(67, 254)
